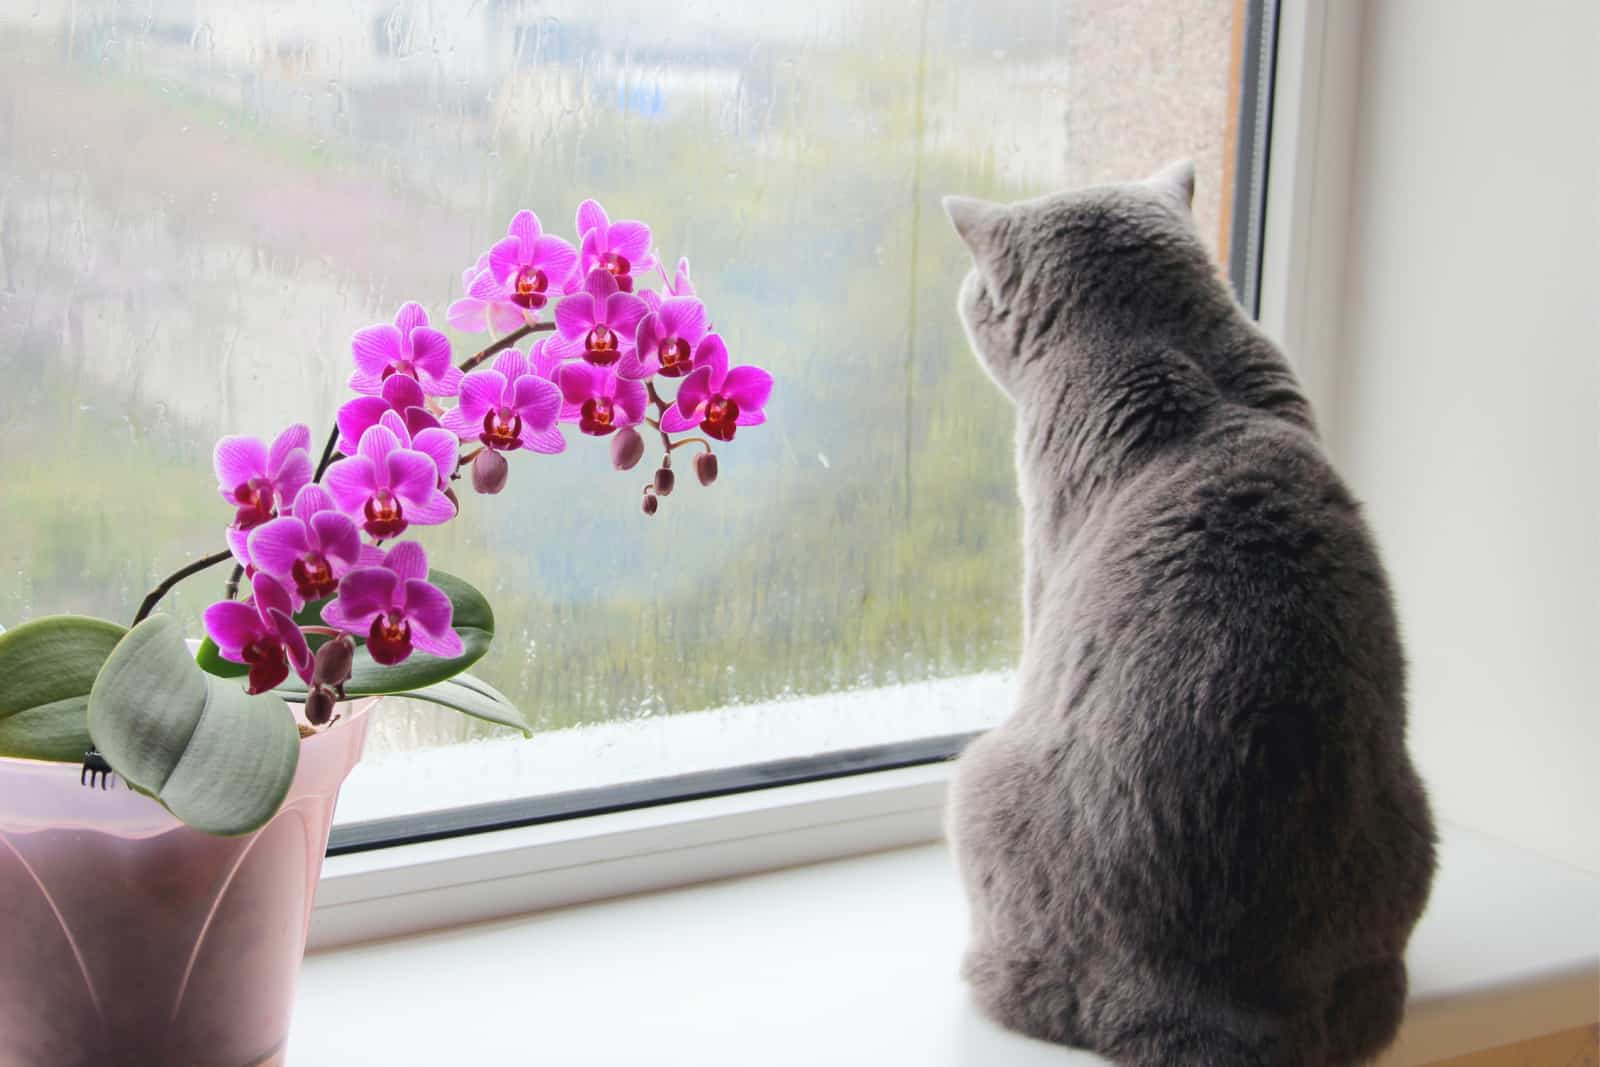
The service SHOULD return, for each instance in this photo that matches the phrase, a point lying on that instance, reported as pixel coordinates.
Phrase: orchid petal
(408, 560)
(505, 260)
(337, 537)
(695, 390)
(293, 474)
(600, 287)
(310, 500)
(293, 641)
(364, 594)
(674, 421)
(376, 444)
(635, 368)
(489, 286)
(630, 240)
(430, 351)
(430, 510)
(712, 352)
(749, 387)
(537, 400)
(632, 399)
(440, 445)
(426, 606)
(391, 421)
(562, 349)
(232, 625)
(352, 482)
(239, 544)
(591, 216)
(410, 316)
(296, 436)
(268, 593)
(469, 315)
(576, 314)
(376, 347)
(526, 229)
(355, 416)
(684, 317)
(555, 257)
(579, 382)
(623, 312)
(512, 365)
(412, 476)
(481, 392)
(545, 442)
(277, 546)
(236, 460)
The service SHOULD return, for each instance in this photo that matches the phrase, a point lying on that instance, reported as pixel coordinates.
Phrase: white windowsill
(640, 749)
(854, 962)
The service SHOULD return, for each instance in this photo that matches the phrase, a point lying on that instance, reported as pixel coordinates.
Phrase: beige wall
(1466, 394)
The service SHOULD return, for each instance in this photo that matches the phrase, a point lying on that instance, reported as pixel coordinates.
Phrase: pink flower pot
(128, 938)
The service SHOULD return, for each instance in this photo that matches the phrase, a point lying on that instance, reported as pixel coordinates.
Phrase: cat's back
(1235, 669)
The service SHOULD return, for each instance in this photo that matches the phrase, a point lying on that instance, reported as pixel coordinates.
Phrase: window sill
(855, 962)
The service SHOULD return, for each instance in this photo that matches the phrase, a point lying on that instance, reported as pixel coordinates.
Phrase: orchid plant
(340, 599)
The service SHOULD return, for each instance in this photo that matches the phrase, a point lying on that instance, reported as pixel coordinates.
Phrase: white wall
(1464, 396)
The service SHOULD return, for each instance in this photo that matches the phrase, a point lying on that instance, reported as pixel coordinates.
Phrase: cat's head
(1041, 267)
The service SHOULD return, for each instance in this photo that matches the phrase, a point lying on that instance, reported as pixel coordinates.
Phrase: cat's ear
(975, 221)
(1175, 180)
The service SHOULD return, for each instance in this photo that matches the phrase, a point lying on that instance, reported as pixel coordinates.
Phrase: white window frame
(409, 888)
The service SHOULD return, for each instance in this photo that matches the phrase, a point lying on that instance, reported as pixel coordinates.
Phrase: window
(198, 210)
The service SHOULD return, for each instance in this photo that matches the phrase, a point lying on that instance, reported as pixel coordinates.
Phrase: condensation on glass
(200, 201)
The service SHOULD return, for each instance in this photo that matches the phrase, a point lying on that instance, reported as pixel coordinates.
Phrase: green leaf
(471, 617)
(47, 668)
(474, 697)
(219, 759)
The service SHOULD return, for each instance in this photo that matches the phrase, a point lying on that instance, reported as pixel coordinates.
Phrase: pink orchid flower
(717, 399)
(400, 394)
(619, 248)
(310, 549)
(666, 339)
(408, 346)
(387, 486)
(258, 480)
(261, 634)
(598, 400)
(395, 607)
(507, 407)
(598, 324)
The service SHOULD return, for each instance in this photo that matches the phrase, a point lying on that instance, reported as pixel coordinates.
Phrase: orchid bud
(490, 471)
(331, 667)
(627, 448)
(650, 504)
(665, 480)
(705, 467)
(319, 705)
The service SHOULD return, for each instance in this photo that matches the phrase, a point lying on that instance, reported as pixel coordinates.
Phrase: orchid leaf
(47, 668)
(471, 618)
(218, 758)
(475, 697)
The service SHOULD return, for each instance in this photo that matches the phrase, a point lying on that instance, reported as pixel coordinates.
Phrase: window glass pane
(199, 202)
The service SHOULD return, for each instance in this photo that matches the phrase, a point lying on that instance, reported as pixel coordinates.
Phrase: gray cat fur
(1198, 839)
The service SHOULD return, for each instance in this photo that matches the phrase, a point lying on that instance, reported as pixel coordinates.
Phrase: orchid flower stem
(674, 446)
(468, 457)
(325, 631)
(506, 342)
(661, 406)
(204, 563)
(329, 450)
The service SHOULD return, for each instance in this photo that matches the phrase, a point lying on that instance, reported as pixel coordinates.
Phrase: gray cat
(1198, 839)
